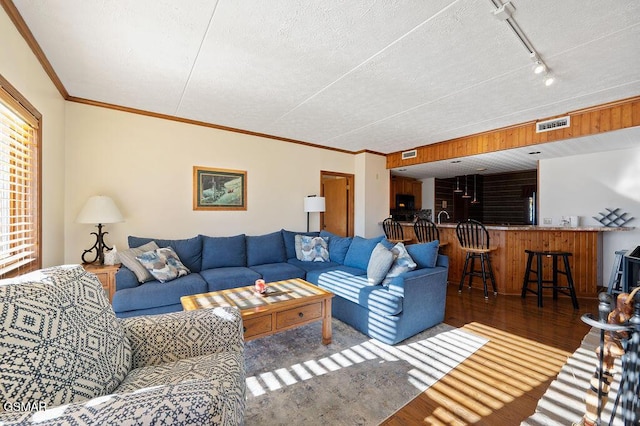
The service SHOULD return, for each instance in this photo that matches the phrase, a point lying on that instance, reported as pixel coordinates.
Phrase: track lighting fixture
(504, 12)
(457, 185)
(466, 188)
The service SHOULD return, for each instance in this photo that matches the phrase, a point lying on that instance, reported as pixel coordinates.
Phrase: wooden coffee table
(287, 304)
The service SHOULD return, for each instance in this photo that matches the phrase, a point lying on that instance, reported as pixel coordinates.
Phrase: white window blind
(19, 222)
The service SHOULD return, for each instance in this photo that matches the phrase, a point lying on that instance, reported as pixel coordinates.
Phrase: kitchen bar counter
(509, 259)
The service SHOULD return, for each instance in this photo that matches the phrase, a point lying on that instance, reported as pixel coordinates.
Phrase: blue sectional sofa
(391, 312)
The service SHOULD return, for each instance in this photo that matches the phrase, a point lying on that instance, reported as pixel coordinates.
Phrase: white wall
(585, 185)
(372, 194)
(20, 67)
(145, 165)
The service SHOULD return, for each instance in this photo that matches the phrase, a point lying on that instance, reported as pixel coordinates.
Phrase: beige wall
(372, 194)
(20, 67)
(145, 165)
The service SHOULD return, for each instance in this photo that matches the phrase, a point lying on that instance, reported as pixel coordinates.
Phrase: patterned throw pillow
(60, 340)
(128, 259)
(164, 264)
(379, 263)
(312, 249)
(401, 264)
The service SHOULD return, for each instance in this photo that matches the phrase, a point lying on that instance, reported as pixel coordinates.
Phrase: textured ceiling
(384, 76)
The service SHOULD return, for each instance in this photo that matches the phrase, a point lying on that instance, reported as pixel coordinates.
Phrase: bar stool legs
(569, 289)
(486, 271)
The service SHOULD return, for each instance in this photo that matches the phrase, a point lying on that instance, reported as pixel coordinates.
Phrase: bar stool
(615, 280)
(393, 231)
(554, 279)
(474, 240)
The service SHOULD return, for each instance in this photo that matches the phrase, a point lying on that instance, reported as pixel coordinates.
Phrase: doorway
(337, 189)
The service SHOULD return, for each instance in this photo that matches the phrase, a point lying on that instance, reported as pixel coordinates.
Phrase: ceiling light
(548, 80)
(539, 67)
(456, 161)
(534, 152)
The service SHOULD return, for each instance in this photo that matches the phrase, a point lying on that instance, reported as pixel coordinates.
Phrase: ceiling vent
(556, 123)
(410, 154)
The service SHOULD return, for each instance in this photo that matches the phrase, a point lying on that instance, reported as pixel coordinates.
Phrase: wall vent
(556, 123)
(410, 154)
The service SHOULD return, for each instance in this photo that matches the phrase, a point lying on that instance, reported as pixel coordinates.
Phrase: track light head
(548, 79)
(539, 67)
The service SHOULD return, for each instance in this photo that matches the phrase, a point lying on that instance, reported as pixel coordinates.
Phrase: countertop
(536, 227)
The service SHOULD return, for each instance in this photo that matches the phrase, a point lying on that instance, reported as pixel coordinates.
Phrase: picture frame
(219, 189)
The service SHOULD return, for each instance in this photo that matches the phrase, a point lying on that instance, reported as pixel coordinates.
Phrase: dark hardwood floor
(501, 383)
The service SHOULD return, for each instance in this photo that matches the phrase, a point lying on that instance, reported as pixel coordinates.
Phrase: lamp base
(99, 247)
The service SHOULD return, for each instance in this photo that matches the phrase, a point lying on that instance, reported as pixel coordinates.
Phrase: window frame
(18, 104)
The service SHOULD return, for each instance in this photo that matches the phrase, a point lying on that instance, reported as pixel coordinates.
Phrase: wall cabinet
(407, 186)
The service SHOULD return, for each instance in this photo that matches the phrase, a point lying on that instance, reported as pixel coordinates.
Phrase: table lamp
(99, 209)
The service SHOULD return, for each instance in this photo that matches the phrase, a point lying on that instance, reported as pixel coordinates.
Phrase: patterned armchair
(66, 359)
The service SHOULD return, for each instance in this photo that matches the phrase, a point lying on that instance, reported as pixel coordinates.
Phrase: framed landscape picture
(219, 189)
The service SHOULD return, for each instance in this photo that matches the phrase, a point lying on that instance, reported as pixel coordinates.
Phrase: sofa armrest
(156, 339)
(416, 282)
(196, 402)
(125, 278)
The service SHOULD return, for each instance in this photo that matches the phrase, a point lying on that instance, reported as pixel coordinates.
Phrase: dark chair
(426, 231)
(474, 240)
(393, 231)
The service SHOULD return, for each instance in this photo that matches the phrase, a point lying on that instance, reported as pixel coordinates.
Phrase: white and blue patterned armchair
(66, 359)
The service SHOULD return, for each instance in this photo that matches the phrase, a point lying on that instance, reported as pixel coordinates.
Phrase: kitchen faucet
(442, 211)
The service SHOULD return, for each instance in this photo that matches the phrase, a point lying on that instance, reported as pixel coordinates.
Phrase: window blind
(19, 222)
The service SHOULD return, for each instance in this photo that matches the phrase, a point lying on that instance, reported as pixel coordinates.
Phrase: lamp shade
(99, 209)
(313, 204)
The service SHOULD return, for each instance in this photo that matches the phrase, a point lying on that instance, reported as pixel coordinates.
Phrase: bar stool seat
(540, 282)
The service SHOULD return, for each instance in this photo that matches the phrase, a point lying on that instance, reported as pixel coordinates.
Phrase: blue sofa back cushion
(188, 250)
(338, 246)
(425, 254)
(360, 251)
(223, 252)
(289, 238)
(262, 249)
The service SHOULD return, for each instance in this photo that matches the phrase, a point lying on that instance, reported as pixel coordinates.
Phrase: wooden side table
(106, 274)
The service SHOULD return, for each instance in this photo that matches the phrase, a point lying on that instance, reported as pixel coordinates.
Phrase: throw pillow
(402, 263)
(164, 264)
(61, 341)
(425, 254)
(312, 249)
(128, 259)
(379, 263)
(360, 251)
(338, 246)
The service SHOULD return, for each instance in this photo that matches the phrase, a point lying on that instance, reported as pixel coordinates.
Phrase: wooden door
(336, 206)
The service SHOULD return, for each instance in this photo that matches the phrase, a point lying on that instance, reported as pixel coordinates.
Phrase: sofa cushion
(188, 250)
(262, 249)
(62, 338)
(222, 252)
(312, 266)
(279, 271)
(154, 294)
(425, 254)
(164, 264)
(314, 275)
(312, 249)
(338, 246)
(360, 251)
(229, 277)
(402, 263)
(289, 239)
(356, 289)
(128, 259)
(379, 263)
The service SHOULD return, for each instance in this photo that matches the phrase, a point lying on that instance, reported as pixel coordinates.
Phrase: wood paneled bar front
(509, 259)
